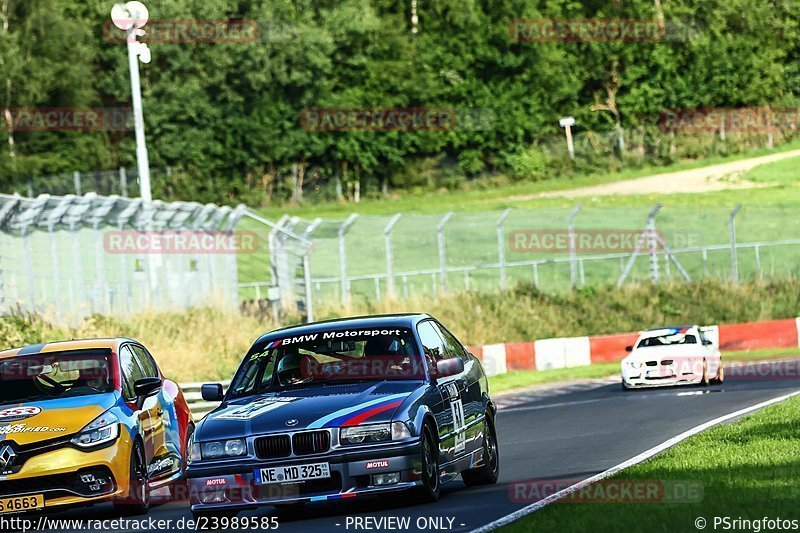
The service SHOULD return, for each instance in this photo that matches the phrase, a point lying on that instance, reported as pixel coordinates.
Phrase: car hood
(31, 422)
(319, 406)
(660, 352)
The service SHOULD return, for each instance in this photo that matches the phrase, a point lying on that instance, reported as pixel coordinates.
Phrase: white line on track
(630, 462)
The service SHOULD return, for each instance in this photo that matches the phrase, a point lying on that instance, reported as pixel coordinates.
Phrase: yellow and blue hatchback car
(88, 421)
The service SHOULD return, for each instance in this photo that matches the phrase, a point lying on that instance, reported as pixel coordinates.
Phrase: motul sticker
(216, 482)
(377, 464)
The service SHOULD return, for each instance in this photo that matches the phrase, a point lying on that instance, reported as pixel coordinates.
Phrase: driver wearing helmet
(288, 370)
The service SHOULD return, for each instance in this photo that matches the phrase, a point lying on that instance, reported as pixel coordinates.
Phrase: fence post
(343, 258)
(573, 253)
(387, 237)
(123, 182)
(442, 249)
(309, 293)
(501, 248)
(76, 180)
(651, 231)
(734, 258)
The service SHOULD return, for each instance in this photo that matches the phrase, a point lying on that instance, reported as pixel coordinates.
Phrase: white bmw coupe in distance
(680, 355)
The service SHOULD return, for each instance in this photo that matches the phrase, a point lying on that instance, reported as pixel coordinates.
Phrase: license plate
(22, 503)
(285, 474)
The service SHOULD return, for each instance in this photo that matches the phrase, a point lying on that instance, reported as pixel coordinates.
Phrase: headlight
(223, 448)
(104, 428)
(635, 364)
(194, 451)
(374, 433)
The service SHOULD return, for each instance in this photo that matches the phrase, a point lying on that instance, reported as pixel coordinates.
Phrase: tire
(625, 387)
(704, 381)
(720, 374)
(488, 473)
(431, 487)
(137, 501)
(179, 490)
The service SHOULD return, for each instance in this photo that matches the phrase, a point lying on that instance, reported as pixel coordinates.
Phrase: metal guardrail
(198, 406)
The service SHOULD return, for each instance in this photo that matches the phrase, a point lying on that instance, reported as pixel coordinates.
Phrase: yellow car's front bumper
(69, 476)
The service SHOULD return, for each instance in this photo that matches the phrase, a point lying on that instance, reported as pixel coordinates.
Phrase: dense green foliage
(226, 115)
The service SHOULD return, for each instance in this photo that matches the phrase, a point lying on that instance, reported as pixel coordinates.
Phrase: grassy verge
(204, 344)
(484, 196)
(521, 379)
(747, 470)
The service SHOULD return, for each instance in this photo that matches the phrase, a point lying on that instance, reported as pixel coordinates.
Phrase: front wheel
(429, 458)
(720, 374)
(704, 381)
(487, 473)
(137, 501)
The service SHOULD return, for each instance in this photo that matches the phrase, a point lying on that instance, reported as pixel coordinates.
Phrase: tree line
(473, 90)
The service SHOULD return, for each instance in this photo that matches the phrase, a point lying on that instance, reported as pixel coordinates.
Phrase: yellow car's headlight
(101, 430)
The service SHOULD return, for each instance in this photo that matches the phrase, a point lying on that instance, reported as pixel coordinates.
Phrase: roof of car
(406, 320)
(62, 346)
(671, 327)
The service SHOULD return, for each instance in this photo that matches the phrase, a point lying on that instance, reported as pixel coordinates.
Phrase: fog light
(87, 478)
(386, 479)
(215, 496)
(94, 488)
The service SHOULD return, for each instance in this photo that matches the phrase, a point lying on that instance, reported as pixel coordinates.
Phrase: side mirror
(211, 392)
(629, 348)
(449, 367)
(144, 388)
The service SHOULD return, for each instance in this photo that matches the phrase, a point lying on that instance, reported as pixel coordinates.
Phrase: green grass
(521, 379)
(748, 469)
(488, 197)
(686, 220)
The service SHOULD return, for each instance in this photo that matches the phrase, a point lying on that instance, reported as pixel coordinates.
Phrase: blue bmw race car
(345, 409)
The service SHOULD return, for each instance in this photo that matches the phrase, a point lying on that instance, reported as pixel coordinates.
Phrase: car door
(165, 428)
(471, 395)
(449, 412)
(149, 415)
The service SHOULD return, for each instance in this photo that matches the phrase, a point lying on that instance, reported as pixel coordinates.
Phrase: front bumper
(233, 486)
(62, 475)
(657, 377)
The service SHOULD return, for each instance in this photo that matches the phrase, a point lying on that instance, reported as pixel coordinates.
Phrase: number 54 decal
(459, 422)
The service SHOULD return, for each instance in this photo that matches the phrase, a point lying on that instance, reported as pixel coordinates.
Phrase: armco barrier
(568, 352)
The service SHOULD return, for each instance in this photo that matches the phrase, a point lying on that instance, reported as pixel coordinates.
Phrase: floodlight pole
(142, 162)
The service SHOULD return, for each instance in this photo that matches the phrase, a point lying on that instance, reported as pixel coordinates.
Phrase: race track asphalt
(569, 432)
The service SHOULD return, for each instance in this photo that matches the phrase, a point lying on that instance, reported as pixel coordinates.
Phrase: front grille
(58, 485)
(273, 447)
(666, 362)
(652, 363)
(311, 442)
(26, 451)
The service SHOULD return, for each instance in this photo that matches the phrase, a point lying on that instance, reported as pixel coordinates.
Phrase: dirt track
(712, 178)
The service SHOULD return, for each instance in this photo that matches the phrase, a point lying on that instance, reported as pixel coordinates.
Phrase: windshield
(667, 340)
(55, 375)
(345, 355)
